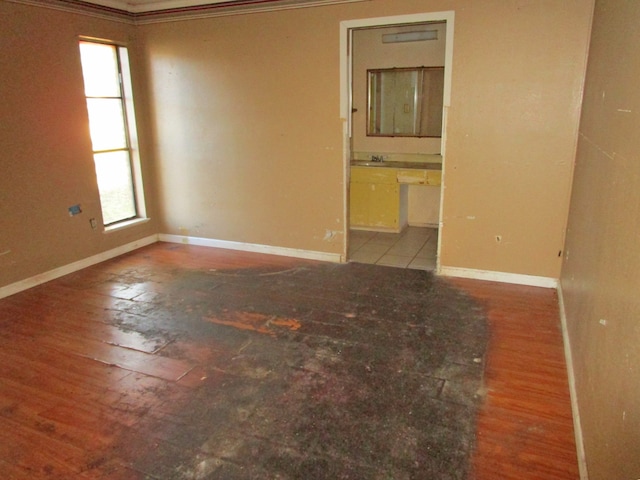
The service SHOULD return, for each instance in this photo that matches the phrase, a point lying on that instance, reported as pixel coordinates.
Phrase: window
(107, 86)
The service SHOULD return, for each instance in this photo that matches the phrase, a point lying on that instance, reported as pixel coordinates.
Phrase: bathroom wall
(601, 271)
(423, 208)
(368, 53)
(46, 163)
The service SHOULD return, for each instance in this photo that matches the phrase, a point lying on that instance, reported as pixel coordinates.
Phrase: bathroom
(395, 171)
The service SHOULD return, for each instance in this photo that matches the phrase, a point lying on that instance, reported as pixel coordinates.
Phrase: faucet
(377, 158)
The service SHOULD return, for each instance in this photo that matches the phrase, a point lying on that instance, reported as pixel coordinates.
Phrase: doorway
(403, 242)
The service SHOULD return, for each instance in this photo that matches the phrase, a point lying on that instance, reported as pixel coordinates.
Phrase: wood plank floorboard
(105, 373)
(525, 427)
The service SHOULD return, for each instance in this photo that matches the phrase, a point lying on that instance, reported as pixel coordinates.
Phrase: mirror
(405, 102)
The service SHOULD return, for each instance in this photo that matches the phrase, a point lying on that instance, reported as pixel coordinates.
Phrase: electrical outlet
(74, 210)
(93, 223)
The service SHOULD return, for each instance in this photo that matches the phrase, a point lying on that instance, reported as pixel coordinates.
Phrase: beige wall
(248, 134)
(247, 146)
(517, 82)
(601, 272)
(249, 140)
(46, 162)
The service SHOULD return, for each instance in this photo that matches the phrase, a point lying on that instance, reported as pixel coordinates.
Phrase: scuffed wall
(601, 272)
(517, 82)
(249, 140)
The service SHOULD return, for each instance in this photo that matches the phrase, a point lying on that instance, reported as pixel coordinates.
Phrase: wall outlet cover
(74, 210)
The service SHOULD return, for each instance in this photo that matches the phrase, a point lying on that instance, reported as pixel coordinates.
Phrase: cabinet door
(384, 204)
(359, 204)
(374, 205)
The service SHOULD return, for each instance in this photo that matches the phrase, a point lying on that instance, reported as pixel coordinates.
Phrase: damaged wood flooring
(180, 362)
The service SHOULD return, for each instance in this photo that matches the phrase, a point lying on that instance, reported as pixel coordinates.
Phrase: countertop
(412, 165)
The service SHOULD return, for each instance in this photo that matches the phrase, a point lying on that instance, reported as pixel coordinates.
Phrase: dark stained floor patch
(323, 371)
(174, 363)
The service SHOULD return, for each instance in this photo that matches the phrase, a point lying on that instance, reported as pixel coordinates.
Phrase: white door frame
(346, 28)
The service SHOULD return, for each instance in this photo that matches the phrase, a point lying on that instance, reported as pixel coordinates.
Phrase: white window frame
(126, 89)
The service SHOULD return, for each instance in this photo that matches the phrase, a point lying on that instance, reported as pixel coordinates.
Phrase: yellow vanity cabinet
(375, 199)
(379, 194)
(413, 176)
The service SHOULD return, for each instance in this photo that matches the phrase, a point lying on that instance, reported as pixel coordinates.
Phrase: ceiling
(140, 6)
(137, 8)
(154, 11)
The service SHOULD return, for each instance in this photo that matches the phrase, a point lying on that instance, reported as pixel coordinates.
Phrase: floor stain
(341, 371)
(256, 322)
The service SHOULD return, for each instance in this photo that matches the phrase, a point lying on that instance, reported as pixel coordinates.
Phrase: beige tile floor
(415, 248)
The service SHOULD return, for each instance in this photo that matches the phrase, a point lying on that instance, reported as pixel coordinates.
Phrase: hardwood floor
(85, 394)
(525, 427)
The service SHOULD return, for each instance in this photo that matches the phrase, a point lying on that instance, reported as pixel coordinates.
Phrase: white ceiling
(139, 6)
(142, 6)
(149, 11)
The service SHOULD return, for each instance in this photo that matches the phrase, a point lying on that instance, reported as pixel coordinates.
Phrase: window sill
(126, 224)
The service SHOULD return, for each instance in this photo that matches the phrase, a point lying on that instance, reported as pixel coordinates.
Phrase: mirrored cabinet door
(405, 102)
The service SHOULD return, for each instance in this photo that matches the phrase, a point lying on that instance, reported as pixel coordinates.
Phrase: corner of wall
(577, 425)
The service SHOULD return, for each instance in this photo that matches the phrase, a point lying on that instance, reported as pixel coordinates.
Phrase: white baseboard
(74, 267)
(101, 257)
(504, 277)
(253, 247)
(577, 424)
(423, 224)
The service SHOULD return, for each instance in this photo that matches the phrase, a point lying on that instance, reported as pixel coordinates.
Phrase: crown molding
(173, 10)
(83, 8)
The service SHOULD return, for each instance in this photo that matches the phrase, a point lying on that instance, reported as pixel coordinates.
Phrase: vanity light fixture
(410, 36)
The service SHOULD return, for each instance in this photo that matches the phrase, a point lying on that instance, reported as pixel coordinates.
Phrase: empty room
(319, 239)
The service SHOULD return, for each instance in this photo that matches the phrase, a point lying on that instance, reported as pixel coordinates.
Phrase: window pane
(106, 122)
(115, 185)
(108, 96)
(100, 70)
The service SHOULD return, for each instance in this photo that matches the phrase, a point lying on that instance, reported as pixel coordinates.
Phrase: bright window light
(110, 126)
